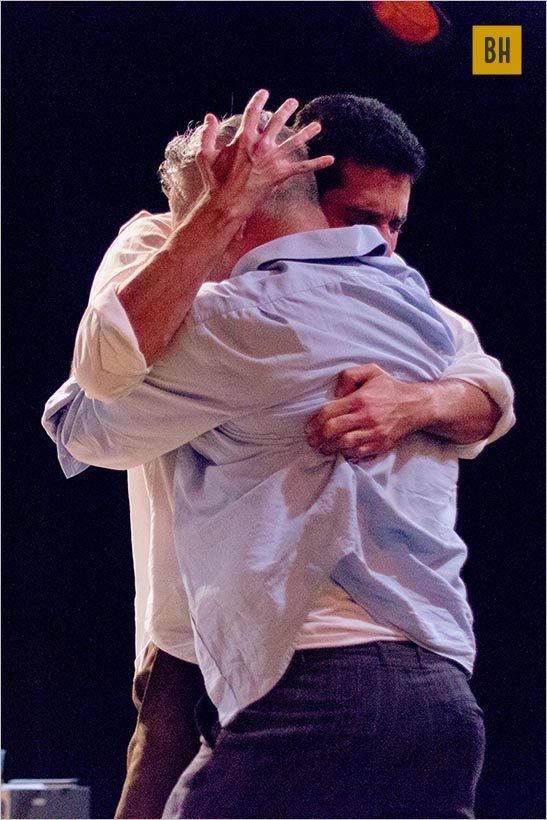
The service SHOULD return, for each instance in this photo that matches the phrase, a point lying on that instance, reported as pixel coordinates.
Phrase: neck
(264, 228)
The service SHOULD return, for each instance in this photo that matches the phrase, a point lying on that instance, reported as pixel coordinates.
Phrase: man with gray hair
(188, 243)
(183, 171)
(257, 331)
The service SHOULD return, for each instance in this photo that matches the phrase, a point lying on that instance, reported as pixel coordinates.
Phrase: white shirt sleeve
(107, 362)
(471, 364)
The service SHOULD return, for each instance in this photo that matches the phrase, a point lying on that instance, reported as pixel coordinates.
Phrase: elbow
(106, 364)
(492, 417)
(104, 387)
(481, 427)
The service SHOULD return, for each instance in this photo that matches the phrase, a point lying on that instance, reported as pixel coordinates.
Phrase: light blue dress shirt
(261, 519)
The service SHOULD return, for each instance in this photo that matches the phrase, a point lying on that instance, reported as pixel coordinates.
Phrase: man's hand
(373, 411)
(237, 179)
(242, 174)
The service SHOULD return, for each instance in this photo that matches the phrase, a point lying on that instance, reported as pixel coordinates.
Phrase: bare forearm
(373, 411)
(458, 411)
(237, 179)
(159, 295)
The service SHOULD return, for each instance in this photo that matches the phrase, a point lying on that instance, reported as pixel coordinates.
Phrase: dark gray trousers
(382, 730)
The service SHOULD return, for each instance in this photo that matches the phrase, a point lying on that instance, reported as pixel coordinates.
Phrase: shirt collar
(329, 243)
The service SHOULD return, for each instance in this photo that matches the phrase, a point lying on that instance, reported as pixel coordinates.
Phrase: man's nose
(389, 236)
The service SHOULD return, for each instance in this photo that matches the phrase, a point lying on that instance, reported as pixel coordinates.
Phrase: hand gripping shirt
(260, 519)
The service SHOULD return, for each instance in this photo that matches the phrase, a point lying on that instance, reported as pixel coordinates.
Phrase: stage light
(414, 23)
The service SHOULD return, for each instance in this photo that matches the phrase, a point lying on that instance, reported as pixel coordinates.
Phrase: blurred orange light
(412, 22)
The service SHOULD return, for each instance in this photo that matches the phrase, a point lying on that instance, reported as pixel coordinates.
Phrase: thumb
(353, 378)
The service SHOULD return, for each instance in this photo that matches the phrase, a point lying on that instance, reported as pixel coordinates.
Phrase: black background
(92, 93)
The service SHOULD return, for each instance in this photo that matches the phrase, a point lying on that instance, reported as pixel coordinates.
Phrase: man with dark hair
(378, 159)
(363, 130)
(155, 313)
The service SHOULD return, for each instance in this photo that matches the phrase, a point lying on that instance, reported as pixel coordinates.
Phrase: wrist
(425, 405)
(227, 210)
(212, 210)
(445, 408)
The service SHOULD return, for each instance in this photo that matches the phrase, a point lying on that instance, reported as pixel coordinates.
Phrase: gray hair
(181, 181)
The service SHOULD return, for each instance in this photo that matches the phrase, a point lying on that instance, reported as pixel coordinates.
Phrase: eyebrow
(366, 214)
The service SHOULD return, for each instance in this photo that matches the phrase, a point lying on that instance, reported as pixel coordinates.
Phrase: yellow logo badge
(497, 49)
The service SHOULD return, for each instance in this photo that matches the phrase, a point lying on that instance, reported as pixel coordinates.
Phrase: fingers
(323, 428)
(297, 141)
(261, 143)
(251, 115)
(339, 408)
(208, 138)
(207, 152)
(366, 451)
(358, 444)
(279, 119)
(318, 163)
(308, 165)
(354, 377)
(301, 137)
(348, 441)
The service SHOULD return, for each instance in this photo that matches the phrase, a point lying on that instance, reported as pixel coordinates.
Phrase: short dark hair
(363, 130)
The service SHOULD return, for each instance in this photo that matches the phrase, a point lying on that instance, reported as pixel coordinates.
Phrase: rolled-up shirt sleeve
(107, 362)
(471, 364)
(198, 385)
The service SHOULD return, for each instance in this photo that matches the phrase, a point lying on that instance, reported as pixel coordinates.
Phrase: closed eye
(396, 225)
(356, 216)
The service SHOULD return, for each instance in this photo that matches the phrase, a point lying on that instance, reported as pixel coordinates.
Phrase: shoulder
(456, 321)
(246, 292)
(145, 224)
(137, 240)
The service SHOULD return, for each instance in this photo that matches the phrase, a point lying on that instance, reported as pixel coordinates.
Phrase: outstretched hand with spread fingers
(243, 173)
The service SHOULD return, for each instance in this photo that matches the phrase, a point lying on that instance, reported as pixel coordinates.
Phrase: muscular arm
(157, 297)
(373, 411)
(470, 406)
(459, 412)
